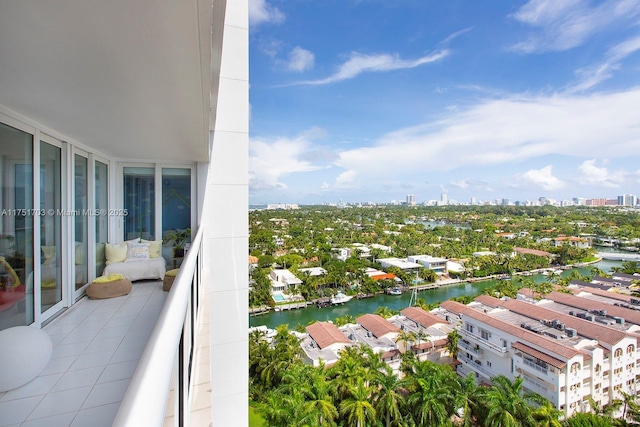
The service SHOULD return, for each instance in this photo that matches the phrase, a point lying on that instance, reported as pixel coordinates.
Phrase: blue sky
(368, 100)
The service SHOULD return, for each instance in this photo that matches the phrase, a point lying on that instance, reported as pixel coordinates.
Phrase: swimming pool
(278, 297)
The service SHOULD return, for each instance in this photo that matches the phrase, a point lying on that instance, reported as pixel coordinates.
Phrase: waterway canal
(356, 307)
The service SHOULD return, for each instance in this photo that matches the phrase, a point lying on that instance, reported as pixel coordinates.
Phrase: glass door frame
(42, 317)
(119, 203)
(78, 293)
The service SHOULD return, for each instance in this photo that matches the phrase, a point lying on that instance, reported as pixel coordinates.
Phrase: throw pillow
(155, 247)
(137, 252)
(116, 253)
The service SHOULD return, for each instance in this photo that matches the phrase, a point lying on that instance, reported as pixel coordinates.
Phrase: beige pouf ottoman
(169, 277)
(113, 285)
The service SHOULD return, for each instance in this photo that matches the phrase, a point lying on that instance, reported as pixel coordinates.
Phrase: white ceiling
(129, 78)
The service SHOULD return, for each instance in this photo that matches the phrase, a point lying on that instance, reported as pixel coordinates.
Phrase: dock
(291, 306)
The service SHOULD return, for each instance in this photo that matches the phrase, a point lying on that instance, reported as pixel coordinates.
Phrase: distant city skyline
(374, 101)
(629, 200)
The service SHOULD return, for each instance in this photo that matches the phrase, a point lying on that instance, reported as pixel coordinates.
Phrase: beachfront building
(564, 357)
(439, 265)
(121, 120)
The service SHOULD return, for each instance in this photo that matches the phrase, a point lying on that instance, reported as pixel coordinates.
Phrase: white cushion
(137, 251)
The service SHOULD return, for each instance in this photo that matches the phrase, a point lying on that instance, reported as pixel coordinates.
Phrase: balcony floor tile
(97, 344)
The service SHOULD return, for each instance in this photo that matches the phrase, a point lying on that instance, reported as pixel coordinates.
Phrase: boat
(340, 298)
(395, 291)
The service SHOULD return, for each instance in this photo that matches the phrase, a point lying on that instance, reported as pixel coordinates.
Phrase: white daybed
(135, 259)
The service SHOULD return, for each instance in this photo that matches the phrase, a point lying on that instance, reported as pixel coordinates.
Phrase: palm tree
(318, 407)
(422, 335)
(452, 344)
(357, 408)
(508, 405)
(467, 400)
(387, 399)
(547, 415)
(384, 311)
(429, 403)
(431, 393)
(407, 338)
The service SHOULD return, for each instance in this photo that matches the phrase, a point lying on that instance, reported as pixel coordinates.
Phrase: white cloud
(501, 131)
(469, 183)
(594, 175)
(300, 60)
(564, 24)
(261, 12)
(543, 178)
(272, 160)
(593, 75)
(360, 63)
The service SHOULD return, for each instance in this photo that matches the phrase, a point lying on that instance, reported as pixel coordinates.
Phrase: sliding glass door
(101, 191)
(80, 223)
(51, 254)
(16, 228)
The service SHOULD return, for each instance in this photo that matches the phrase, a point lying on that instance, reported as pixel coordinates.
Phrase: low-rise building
(323, 343)
(564, 358)
(282, 280)
(439, 265)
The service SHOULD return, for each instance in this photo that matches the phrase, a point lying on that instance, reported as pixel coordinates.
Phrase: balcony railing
(478, 367)
(470, 347)
(538, 368)
(168, 353)
(478, 338)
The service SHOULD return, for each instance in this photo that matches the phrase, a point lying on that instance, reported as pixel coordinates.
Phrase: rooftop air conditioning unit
(570, 332)
(589, 317)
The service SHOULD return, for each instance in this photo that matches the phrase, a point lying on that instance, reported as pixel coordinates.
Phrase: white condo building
(138, 110)
(565, 354)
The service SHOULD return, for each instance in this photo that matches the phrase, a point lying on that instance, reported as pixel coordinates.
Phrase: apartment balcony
(473, 348)
(103, 351)
(477, 367)
(97, 347)
(502, 351)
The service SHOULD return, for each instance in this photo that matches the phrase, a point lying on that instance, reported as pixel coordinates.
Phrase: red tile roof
(488, 300)
(377, 325)
(326, 334)
(547, 344)
(603, 293)
(603, 334)
(629, 315)
(422, 317)
(454, 307)
(531, 252)
(539, 355)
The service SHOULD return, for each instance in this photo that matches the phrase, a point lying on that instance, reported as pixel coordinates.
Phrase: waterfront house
(439, 265)
(283, 280)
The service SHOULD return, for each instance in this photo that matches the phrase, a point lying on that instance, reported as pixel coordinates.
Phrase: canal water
(357, 307)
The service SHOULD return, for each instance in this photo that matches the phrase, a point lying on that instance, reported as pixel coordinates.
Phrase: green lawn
(255, 420)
